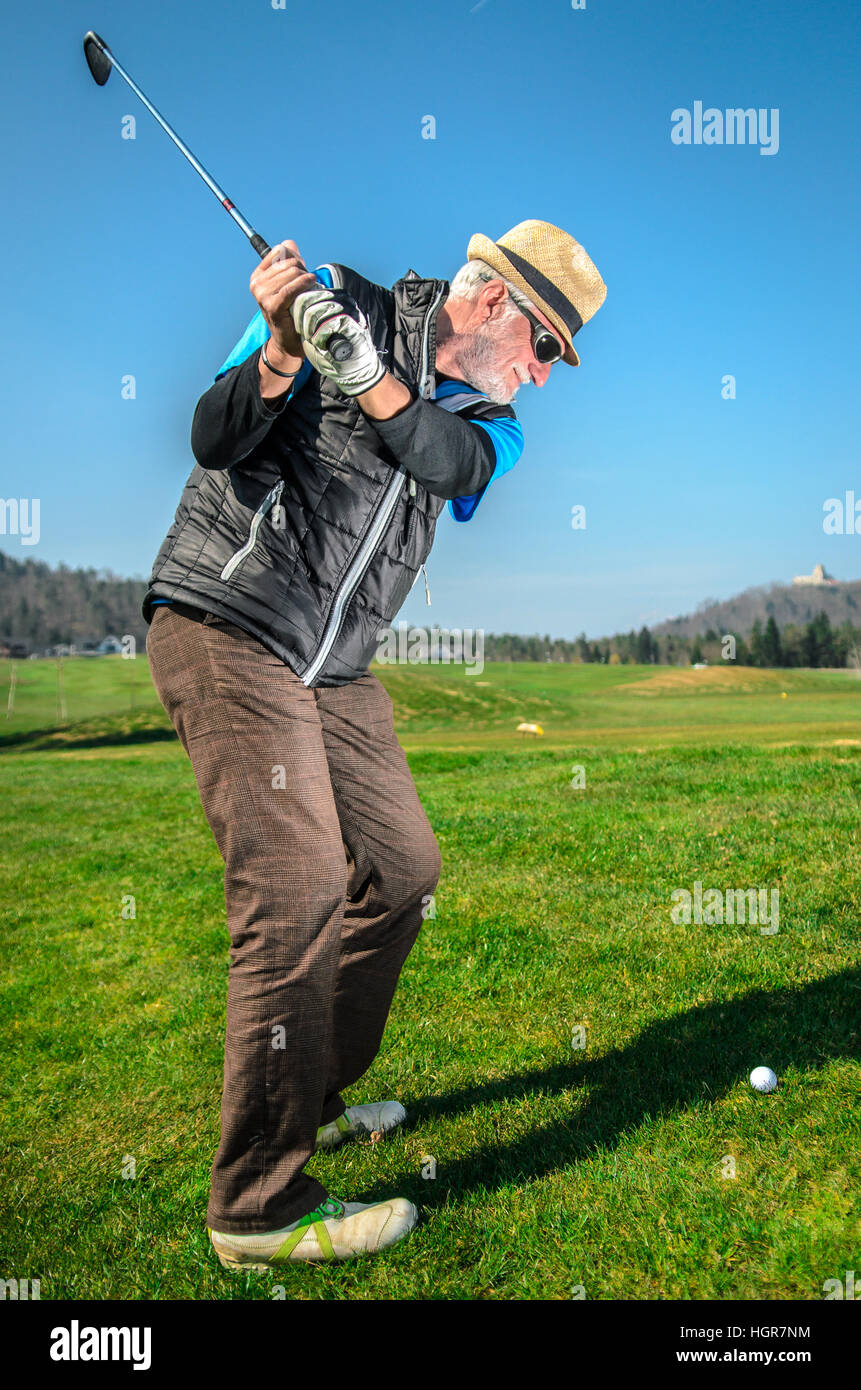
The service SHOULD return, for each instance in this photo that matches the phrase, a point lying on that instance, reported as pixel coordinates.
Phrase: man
(302, 528)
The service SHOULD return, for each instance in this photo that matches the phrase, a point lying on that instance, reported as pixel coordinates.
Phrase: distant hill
(41, 607)
(786, 603)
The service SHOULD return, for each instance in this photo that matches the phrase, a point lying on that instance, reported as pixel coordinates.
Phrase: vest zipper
(364, 554)
(268, 502)
(424, 372)
(352, 578)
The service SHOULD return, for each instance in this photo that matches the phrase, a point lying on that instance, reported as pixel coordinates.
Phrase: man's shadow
(691, 1059)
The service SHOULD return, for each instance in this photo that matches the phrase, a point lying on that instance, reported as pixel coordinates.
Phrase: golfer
(301, 530)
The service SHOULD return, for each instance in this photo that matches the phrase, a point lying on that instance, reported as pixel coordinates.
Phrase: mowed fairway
(540, 1167)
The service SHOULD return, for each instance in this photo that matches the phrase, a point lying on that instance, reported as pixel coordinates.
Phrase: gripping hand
(320, 315)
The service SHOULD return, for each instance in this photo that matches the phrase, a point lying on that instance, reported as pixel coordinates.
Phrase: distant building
(819, 576)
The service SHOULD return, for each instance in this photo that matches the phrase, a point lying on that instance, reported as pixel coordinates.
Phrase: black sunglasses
(545, 345)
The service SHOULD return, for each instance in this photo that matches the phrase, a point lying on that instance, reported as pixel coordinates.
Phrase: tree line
(41, 607)
(816, 643)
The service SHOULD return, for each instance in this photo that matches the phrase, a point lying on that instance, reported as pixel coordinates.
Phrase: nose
(539, 371)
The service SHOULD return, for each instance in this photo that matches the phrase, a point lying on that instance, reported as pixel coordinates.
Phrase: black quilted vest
(313, 542)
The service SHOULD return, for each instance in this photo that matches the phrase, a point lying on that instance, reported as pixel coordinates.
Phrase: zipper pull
(427, 586)
(412, 486)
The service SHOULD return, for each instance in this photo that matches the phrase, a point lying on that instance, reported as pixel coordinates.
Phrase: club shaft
(337, 344)
(256, 240)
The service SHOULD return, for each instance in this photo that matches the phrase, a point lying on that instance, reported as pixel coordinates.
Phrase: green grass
(105, 687)
(555, 1167)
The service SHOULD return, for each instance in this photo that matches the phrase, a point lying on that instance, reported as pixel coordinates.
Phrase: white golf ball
(763, 1079)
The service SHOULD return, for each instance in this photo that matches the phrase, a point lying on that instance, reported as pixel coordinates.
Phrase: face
(494, 350)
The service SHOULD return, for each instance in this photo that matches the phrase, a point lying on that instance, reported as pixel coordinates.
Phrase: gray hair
(468, 281)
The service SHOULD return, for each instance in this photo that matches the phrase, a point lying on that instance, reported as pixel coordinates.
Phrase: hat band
(546, 290)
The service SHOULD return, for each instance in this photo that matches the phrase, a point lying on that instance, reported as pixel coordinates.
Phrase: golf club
(100, 60)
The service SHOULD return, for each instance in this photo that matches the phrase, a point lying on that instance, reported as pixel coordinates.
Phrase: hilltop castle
(819, 576)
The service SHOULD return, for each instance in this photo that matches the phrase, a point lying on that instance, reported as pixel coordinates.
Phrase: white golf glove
(318, 315)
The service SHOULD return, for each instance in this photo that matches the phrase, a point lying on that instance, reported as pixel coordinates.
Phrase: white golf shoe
(357, 1120)
(335, 1230)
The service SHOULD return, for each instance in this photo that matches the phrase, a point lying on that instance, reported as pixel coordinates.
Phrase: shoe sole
(229, 1263)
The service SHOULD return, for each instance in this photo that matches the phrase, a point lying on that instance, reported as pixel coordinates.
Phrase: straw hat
(551, 269)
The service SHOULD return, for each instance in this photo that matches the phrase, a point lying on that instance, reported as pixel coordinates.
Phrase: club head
(98, 57)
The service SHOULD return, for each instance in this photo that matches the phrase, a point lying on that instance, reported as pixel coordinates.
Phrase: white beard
(476, 354)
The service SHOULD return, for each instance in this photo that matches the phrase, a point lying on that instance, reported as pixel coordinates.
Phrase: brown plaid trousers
(329, 862)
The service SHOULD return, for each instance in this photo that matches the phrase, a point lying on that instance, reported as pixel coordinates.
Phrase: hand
(318, 316)
(275, 284)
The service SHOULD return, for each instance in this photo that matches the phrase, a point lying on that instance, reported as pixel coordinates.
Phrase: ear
(492, 300)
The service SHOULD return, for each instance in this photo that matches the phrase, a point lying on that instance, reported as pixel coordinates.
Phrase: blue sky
(718, 260)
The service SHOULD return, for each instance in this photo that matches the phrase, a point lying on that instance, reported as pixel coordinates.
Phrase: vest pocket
(269, 501)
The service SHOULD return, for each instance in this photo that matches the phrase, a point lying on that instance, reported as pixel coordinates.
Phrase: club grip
(339, 348)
